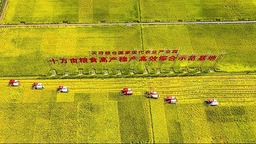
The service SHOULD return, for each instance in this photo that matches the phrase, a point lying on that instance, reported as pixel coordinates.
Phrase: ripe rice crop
(94, 11)
(196, 10)
(29, 51)
(94, 112)
(71, 11)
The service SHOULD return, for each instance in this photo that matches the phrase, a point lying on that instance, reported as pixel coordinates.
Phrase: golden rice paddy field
(94, 11)
(27, 51)
(93, 111)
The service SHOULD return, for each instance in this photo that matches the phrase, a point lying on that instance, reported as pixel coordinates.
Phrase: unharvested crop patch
(186, 10)
(98, 122)
(94, 11)
(227, 114)
(19, 120)
(82, 97)
(134, 117)
(173, 125)
(2, 5)
(70, 11)
(29, 51)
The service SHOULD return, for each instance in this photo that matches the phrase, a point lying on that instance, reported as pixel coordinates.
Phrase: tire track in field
(225, 88)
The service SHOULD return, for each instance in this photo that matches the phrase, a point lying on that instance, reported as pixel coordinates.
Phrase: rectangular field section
(29, 51)
(94, 11)
(99, 114)
(197, 10)
(70, 11)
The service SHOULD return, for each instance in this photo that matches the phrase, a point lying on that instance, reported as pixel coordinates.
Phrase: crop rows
(94, 111)
(29, 51)
(94, 11)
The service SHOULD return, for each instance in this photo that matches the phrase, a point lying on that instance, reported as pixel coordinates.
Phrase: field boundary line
(139, 6)
(151, 121)
(127, 24)
(3, 10)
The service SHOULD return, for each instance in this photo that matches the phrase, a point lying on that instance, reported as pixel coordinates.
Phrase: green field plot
(197, 10)
(94, 111)
(71, 11)
(2, 2)
(1, 5)
(30, 51)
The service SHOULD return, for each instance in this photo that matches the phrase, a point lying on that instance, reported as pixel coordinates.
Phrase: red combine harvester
(212, 102)
(171, 100)
(126, 91)
(37, 85)
(63, 89)
(14, 82)
(152, 94)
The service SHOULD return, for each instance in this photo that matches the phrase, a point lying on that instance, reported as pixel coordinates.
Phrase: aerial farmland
(136, 71)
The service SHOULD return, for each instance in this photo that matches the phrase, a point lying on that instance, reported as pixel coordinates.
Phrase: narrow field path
(4, 8)
(127, 24)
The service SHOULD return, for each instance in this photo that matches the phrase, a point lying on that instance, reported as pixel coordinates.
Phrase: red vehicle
(126, 91)
(212, 102)
(13, 82)
(37, 85)
(171, 100)
(63, 89)
(152, 94)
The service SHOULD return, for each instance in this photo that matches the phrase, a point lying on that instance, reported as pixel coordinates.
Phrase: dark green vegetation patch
(227, 114)
(134, 118)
